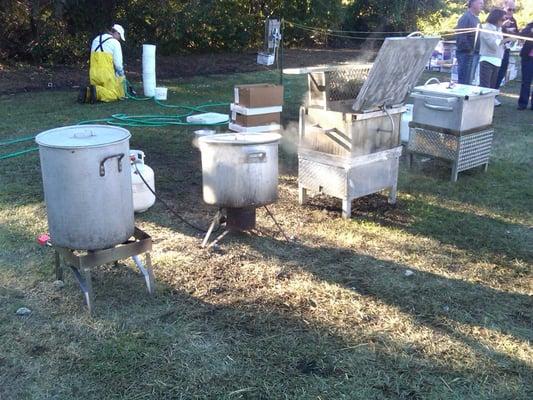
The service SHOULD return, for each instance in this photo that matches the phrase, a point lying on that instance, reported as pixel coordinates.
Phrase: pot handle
(120, 156)
(438, 108)
(256, 157)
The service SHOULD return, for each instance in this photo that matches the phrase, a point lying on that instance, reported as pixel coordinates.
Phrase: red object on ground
(43, 239)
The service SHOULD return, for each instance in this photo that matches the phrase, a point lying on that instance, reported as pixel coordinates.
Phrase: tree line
(60, 31)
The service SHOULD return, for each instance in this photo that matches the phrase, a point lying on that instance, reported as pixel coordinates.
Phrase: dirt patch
(26, 78)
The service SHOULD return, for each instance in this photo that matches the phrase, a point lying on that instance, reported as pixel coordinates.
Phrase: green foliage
(446, 18)
(60, 31)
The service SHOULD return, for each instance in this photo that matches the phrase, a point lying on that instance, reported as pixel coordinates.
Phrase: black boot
(82, 95)
(92, 94)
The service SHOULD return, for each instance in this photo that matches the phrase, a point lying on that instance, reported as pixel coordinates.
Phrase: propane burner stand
(237, 220)
(81, 264)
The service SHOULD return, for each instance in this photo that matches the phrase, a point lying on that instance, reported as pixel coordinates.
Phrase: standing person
(467, 43)
(527, 68)
(509, 26)
(491, 50)
(106, 71)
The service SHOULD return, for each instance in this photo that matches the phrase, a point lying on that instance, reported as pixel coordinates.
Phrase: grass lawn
(330, 316)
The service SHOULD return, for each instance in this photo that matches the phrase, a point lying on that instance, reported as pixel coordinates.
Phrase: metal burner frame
(81, 264)
(234, 227)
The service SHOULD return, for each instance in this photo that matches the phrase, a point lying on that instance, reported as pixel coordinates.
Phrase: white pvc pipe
(149, 80)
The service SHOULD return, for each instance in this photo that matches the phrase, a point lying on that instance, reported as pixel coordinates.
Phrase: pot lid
(396, 70)
(82, 136)
(456, 89)
(241, 138)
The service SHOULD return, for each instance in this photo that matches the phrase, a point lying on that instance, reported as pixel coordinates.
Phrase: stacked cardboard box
(257, 108)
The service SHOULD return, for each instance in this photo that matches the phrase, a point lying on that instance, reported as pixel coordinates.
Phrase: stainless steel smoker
(349, 131)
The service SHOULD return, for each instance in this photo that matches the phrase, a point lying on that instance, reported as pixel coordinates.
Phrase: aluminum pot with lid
(240, 170)
(87, 185)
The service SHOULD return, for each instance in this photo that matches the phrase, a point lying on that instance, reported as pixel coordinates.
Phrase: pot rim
(57, 138)
(240, 139)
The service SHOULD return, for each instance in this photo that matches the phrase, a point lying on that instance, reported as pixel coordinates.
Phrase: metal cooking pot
(240, 170)
(87, 185)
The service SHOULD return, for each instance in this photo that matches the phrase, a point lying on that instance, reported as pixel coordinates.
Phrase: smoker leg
(486, 167)
(85, 282)
(346, 208)
(392, 194)
(410, 159)
(454, 172)
(302, 194)
(58, 267)
(146, 271)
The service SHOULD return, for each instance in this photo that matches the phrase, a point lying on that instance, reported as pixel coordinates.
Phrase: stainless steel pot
(240, 170)
(87, 185)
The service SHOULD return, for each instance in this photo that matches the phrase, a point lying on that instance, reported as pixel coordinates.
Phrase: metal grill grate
(434, 143)
(345, 84)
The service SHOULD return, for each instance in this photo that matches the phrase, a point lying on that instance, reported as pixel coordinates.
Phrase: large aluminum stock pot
(87, 185)
(240, 170)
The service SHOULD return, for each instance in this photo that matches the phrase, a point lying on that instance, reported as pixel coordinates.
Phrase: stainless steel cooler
(350, 129)
(455, 107)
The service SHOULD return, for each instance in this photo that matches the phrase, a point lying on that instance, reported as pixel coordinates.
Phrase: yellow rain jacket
(109, 86)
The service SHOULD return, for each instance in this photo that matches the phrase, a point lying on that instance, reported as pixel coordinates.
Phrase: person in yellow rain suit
(106, 71)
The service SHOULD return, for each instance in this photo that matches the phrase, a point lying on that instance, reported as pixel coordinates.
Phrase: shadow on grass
(489, 238)
(213, 342)
(429, 298)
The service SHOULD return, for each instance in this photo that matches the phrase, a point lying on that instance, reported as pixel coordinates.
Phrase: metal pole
(281, 52)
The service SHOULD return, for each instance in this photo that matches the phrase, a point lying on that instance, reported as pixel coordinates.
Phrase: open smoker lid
(395, 72)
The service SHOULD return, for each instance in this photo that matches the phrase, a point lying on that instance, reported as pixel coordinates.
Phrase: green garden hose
(18, 153)
(125, 120)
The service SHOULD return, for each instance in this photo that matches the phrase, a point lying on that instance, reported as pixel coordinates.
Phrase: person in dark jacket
(468, 43)
(509, 26)
(527, 68)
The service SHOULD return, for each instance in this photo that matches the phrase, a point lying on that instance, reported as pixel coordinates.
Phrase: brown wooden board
(396, 70)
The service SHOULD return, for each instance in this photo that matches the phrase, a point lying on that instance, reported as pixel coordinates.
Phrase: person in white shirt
(106, 70)
(491, 50)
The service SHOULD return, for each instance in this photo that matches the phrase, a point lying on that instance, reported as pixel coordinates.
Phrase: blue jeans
(527, 77)
(466, 67)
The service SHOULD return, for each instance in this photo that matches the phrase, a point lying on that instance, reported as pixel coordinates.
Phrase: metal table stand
(466, 150)
(81, 264)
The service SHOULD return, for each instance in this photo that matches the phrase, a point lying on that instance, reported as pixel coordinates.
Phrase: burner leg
(219, 238)
(211, 227)
(146, 271)
(58, 267)
(277, 224)
(85, 282)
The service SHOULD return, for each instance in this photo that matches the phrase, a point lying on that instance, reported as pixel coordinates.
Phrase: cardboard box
(259, 95)
(256, 120)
